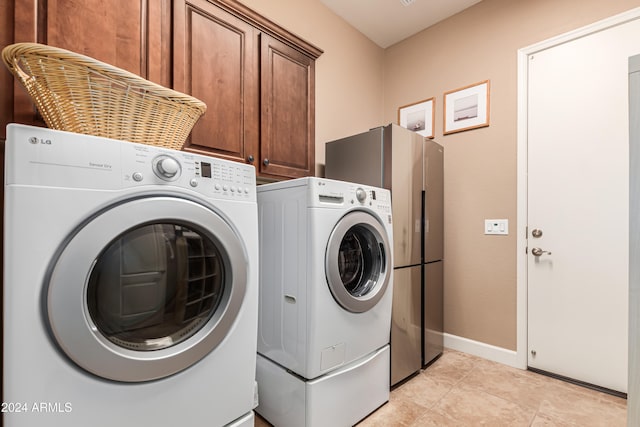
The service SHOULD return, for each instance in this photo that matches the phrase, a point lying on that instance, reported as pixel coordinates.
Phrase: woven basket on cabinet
(79, 94)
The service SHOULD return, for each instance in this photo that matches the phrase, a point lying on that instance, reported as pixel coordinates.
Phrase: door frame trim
(522, 161)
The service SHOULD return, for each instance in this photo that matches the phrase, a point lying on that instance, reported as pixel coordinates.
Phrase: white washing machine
(325, 301)
(130, 284)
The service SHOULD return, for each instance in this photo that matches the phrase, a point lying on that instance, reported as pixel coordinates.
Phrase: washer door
(358, 261)
(146, 289)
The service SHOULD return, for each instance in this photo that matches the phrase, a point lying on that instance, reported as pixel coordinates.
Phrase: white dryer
(130, 284)
(325, 301)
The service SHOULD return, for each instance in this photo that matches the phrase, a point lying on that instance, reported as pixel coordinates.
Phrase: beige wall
(480, 165)
(360, 86)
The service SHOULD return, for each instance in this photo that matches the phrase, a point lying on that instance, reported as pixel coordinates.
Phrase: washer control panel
(361, 195)
(328, 192)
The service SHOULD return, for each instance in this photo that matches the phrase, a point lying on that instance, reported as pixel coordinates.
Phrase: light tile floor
(463, 390)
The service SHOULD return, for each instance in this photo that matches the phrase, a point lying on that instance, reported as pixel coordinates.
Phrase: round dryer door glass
(358, 261)
(155, 286)
(136, 295)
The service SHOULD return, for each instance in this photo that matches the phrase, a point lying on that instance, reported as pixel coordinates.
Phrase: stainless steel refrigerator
(412, 168)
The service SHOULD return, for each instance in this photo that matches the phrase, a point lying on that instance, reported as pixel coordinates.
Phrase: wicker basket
(79, 94)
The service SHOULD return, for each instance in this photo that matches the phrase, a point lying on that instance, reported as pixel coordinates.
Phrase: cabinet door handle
(266, 162)
(250, 158)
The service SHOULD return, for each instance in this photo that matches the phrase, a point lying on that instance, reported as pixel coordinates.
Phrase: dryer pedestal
(339, 398)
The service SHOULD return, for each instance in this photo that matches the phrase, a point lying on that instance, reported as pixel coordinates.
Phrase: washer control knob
(137, 176)
(193, 182)
(361, 195)
(167, 167)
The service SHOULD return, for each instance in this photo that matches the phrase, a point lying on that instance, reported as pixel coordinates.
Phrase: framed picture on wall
(418, 117)
(466, 108)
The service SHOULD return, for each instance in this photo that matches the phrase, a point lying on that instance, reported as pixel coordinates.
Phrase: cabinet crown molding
(264, 24)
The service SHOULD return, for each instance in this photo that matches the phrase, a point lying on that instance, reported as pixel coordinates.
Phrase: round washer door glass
(358, 262)
(137, 295)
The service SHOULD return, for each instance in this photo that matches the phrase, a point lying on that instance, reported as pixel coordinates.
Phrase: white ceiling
(387, 22)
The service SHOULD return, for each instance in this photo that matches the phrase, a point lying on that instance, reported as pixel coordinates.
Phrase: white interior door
(578, 169)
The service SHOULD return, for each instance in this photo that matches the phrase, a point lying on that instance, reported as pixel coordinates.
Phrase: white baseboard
(480, 349)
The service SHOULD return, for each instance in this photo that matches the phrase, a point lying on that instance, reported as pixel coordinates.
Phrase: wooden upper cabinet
(109, 31)
(288, 110)
(257, 78)
(132, 35)
(215, 60)
(258, 82)
(6, 78)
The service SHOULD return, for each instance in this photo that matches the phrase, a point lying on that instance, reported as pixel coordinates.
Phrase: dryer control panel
(63, 159)
(212, 177)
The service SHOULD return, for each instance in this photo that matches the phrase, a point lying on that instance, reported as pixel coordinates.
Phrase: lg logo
(35, 140)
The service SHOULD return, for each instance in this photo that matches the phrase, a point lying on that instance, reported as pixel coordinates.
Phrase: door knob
(536, 232)
(265, 162)
(250, 158)
(538, 252)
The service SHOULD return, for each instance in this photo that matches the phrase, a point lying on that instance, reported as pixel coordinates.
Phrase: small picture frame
(466, 108)
(418, 117)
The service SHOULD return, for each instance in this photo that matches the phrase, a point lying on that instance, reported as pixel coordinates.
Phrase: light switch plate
(496, 226)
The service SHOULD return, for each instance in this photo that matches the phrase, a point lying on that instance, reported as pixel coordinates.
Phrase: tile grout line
(453, 386)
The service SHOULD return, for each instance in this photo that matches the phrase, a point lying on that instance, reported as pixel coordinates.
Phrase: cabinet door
(6, 79)
(288, 111)
(132, 35)
(216, 60)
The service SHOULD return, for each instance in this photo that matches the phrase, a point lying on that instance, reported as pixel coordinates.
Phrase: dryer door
(146, 288)
(358, 261)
